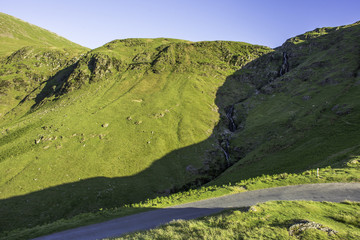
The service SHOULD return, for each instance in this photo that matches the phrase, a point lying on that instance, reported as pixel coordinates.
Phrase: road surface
(334, 192)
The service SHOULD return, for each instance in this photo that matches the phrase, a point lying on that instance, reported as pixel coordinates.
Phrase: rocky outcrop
(27, 72)
(229, 115)
(285, 65)
(301, 226)
(341, 110)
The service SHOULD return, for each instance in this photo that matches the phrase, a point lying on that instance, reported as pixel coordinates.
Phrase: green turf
(271, 220)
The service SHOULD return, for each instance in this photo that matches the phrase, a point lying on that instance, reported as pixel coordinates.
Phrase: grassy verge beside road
(350, 172)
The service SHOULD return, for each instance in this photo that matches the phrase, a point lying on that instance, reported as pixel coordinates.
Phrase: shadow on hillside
(139, 222)
(90, 195)
(52, 86)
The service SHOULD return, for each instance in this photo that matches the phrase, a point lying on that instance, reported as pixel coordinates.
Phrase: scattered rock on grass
(191, 169)
(341, 110)
(328, 81)
(253, 209)
(355, 161)
(303, 225)
(305, 98)
(138, 122)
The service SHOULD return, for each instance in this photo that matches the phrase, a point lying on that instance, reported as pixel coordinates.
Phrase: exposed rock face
(328, 81)
(306, 97)
(30, 71)
(303, 225)
(225, 147)
(285, 66)
(229, 115)
(191, 169)
(341, 110)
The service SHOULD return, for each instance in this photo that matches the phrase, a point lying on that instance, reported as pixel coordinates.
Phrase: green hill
(139, 118)
(29, 56)
(16, 34)
(307, 117)
(103, 132)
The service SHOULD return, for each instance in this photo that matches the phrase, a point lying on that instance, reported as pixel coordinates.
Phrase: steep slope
(29, 68)
(300, 109)
(104, 132)
(16, 34)
(29, 56)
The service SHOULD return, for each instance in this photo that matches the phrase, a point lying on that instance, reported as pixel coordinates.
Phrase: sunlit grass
(271, 220)
(349, 173)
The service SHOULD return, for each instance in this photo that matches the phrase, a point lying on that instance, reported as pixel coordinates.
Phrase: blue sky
(266, 22)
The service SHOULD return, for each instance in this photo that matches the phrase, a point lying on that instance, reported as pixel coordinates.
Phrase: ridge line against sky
(93, 23)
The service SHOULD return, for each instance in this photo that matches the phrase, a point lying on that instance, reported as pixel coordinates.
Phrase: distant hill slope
(15, 34)
(29, 56)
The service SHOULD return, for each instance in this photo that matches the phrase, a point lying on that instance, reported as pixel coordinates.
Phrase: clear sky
(93, 23)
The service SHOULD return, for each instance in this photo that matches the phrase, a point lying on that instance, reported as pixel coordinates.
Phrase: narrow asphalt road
(334, 192)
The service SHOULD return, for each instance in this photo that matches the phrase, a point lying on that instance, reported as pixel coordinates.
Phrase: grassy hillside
(139, 118)
(349, 171)
(104, 131)
(16, 34)
(30, 68)
(29, 56)
(306, 118)
(294, 109)
(271, 220)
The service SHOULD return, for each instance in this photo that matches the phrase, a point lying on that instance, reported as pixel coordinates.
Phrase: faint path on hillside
(334, 192)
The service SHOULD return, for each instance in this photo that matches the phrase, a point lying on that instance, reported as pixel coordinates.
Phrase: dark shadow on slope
(90, 195)
(51, 87)
(137, 222)
(54, 84)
